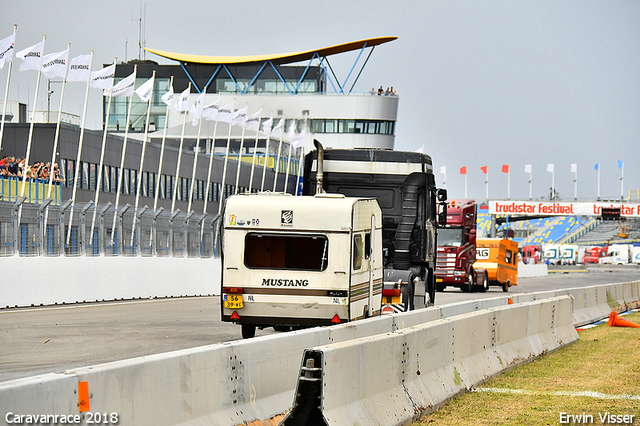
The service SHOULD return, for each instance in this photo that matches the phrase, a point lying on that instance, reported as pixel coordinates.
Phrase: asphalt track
(48, 339)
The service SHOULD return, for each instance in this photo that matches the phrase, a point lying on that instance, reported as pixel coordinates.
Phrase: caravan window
(296, 252)
(357, 252)
(509, 256)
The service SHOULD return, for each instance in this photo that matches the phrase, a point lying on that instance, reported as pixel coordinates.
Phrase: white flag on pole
(291, 133)
(527, 168)
(267, 125)
(168, 97)
(225, 113)
(103, 79)
(124, 88)
(182, 104)
(7, 46)
(55, 64)
(550, 167)
(574, 168)
(79, 68)
(276, 132)
(31, 57)
(210, 112)
(253, 121)
(240, 117)
(197, 108)
(145, 90)
(299, 139)
(443, 170)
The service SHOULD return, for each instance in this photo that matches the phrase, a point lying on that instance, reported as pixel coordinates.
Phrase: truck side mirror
(442, 194)
(442, 216)
(472, 236)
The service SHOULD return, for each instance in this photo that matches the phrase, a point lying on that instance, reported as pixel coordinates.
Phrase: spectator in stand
(57, 177)
(45, 172)
(21, 167)
(33, 171)
(373, 91)
(393, 92)
(380, 91)
(387, 92)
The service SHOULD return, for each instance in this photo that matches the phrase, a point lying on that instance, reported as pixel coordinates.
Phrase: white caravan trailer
(300, 261)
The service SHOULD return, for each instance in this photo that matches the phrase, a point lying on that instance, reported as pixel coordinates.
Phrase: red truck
(593, 254)
(457, 249)
(531, 254)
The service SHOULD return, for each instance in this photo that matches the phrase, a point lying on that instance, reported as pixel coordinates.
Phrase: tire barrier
(394, 378)
(243, 381)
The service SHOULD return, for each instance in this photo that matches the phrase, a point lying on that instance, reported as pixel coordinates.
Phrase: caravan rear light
(234, 290)
(392, 292)
(336, 319)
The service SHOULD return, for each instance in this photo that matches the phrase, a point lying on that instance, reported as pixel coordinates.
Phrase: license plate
(439, 280)
(232, 301)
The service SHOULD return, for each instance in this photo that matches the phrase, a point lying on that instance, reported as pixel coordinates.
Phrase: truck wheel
(440, 287)
(505, 287)
(483, 286)
(248, 331)
(468, 286)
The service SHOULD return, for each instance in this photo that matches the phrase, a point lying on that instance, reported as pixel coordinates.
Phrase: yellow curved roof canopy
(284, 58)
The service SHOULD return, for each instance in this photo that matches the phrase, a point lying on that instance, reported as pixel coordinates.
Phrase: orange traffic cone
(616, 321)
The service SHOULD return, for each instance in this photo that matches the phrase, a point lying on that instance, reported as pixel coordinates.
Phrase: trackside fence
(32, 229)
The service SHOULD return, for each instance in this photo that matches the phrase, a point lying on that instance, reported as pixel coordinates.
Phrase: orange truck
(499, 257)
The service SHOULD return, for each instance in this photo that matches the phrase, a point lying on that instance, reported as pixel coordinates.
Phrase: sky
(480, 83)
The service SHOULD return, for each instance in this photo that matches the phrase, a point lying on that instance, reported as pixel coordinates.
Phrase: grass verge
(598, 374)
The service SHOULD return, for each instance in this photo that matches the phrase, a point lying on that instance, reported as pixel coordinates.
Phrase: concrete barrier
(107, 278)
(238, 382)
(528, 271)
(395, 378)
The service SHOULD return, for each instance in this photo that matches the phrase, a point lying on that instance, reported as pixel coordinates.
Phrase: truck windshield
(295, 252)
(451, 237)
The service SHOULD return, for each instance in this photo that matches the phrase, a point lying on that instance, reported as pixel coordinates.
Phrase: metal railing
(30, 229)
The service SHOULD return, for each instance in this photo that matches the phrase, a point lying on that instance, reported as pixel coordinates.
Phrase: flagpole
(55, 148)
(144, 147)
(622, 182)
(164, 138)
(304, 129)
(33, 119)
(224, 168)
(175, 184)
(6, 92)
(598, 181)
(244, 128)
(509, 184)
(275, 176)
(575, 180)
(255, 150)
(531, 184)
(213, 145)
(55, 139)
(196, 151)
(266, 157)
(553, 184)
(465, 186)
(124, 151)
(100, 166)
(487, 183)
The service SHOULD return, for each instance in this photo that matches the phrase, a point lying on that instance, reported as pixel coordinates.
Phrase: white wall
(49, 280)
